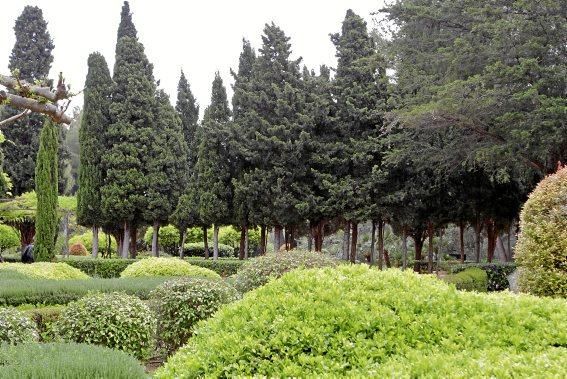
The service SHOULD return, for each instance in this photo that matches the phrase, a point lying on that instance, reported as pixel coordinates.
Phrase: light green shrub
(15, 327)
(354, 321)
(166, 267)
(87, 240)
(471, 279)
(114, 320)
(168, 238)
(541, 250)
(9, 237)
(258, 271)
(67, 360)
(180, 303)
(45, 270)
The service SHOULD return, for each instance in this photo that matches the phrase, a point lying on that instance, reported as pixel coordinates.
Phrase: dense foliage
(197, 249)
(87, 240)
(122, 322)
(259, 271)
(179, 304)
(67, 360)
(15, 327)
(45, 270)
(357, 321)
(497, 273)
(9, 238)
(78, 249)
(471, 279)
(166, 267)
(541, 252)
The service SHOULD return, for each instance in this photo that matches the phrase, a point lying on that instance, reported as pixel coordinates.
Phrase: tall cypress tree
(214, 163)
(188, 110)
(46, 189)
(94, 122)
(30, 60)
(126, 28)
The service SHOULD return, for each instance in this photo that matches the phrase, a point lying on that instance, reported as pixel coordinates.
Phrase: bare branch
(24, 88)
(51, 110)
(14, 118)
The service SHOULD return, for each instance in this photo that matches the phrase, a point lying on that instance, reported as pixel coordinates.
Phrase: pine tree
(94, 122)
(126, 28)
(214, 163)
(46, 222)
(30, 60)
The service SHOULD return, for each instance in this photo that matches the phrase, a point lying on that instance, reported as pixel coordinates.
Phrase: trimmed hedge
(497, 273)
(356, 321)
(53, 292)
(197, 249)
(9, 237)
(15, 327)
(45, 270)
(471, 279)
(166, 267)
(67, 360)
(114, 320)
(224, 267)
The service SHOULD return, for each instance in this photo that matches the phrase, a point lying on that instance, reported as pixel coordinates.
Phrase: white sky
(199, 36)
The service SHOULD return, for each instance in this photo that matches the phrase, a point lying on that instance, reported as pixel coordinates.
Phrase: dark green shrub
(197, 249)
(15, 292)
(224, 267)
(168, 238)
(78, 249)
(9, 237)
(471, 279)
(166, 267)
(180, 303)
(114, 320)
(497, 273)
(67, 360)
(258, 271)
(355, 321)
(102, 268)
(45, 270)
(541, 250)
(15, 327)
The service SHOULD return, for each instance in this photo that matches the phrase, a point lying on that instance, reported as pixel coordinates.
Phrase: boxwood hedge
(166, 267)
(45, 270)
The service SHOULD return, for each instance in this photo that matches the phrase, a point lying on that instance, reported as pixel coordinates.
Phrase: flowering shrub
(166, 267)
(45, 270)
(15, 327)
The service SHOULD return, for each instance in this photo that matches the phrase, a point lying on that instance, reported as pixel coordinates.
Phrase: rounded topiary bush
(166, 267)
(541, 251)
(356, 321)
(9, 237)
(67, 360)
(114, 320)
(180, 303)
(46, 270)
(78, 249)
(258, 271)
(15, 327)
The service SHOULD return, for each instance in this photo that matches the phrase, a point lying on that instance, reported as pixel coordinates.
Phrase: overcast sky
(199, 37)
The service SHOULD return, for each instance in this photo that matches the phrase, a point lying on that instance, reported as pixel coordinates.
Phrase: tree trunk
(477, 230)
(155, 235)
(215, 242)
(95, 241)
(418, 238)
(373, 244)
(354, 241)
(502, 249)
(263, 240)
(310, 237)
(241, 247)
(206, 243)
(182, 245)
(492, 234)
(462, 240)
(320, 235)
(27, 232)
(346, 241)
(404, 248)
(439, 247)
(65, 235)
(430, 232)
(125, 239)
(278, 234)
(509, 255)
(108, 245)
(380, 244)
(246, 242)
(133, 242)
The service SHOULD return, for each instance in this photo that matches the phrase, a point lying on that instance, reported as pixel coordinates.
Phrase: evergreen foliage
(126, 28)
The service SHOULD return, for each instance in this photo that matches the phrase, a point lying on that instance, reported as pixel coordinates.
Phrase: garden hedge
(355, 321)
(197, 249)
(166, 267)
(497, 273)
(67, 360)
(471, 279)
(45, 270)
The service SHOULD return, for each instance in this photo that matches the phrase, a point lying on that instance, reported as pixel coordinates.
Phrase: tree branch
(24, 88)
(14, 118)
(51, 110)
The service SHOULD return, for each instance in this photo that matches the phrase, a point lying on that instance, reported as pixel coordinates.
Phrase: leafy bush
(166, 267)
(52, 292)
(45, 270)
(9, 237)
(224, 266)
(15, 327)
(168, 238)
(229, 235)
(78, 249)
(351, 321)
(102, 268)
(541, 250)
(87, 240)
(44, 319)
(471, 279)
(180, 303)
(114, 320)
(67, 360)
(197, 249)
(497, 273)
(258, 271)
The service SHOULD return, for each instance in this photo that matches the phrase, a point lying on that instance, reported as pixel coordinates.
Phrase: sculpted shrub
(45, 270)
(15, 327)
(78, 249)
(166, 267)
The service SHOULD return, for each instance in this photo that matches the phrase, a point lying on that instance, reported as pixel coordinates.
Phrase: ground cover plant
(357, 321)
(45, 270)
(166, 267)
(16, 327)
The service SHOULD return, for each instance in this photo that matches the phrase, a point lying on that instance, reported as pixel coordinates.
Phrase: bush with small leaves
(471, 279)
(114, 320)
(180, 303)
(9, 237)
(45, 270)
(15, 327)
(78, 249)
(166, 267)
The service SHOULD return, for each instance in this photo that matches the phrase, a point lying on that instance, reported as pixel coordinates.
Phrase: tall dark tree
(126, 28)
(30, 60)
(188, 110)
(46, 222)
(94, 122)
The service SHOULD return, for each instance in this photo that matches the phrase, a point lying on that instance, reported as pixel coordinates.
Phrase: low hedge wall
(471, 279)
(497, 273)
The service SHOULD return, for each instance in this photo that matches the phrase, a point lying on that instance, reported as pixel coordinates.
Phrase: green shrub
(44, 319)
(541, 250)
(224, 266)
(99, 267)
(168, 238)
(45, 270)
(15, 327)
(180, 303)
(16, 292)
(258, 271)
(9, 237)
(87, 240)
(114, 320)
(67, 360)
(350, 321)
(497, 273)
(166, 267)
(197, 249)
(229, 235)
(471, 279)
(78, 249)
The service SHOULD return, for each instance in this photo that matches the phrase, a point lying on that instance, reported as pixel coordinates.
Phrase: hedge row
(497, 273)
(471, 279)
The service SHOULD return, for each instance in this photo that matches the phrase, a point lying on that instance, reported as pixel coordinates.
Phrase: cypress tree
(94, 122)
(30, 60)
(188, 111)
(46, 189)
(126, 28)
